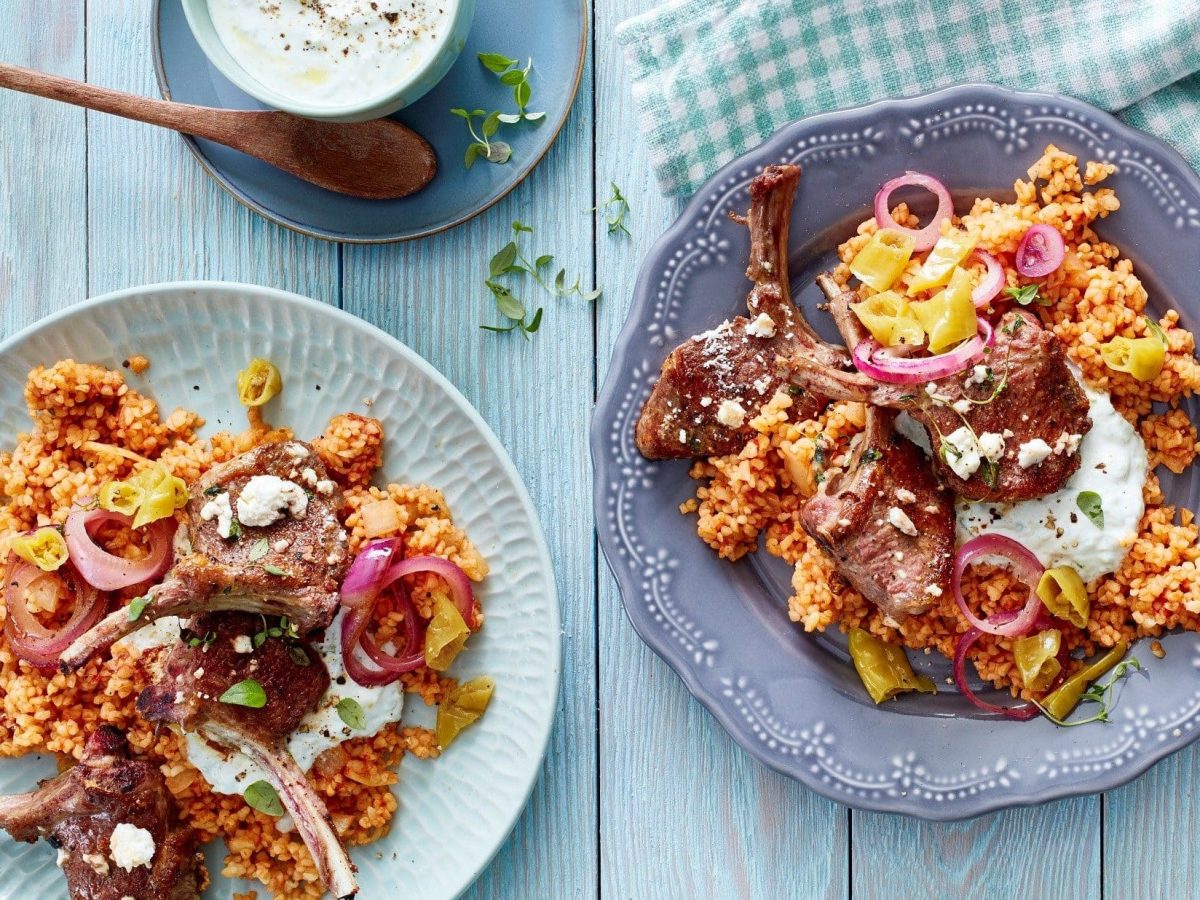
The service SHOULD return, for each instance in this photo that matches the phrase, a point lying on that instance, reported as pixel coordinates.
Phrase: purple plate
(792, 699)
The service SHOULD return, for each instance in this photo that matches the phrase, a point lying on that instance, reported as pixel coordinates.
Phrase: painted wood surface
(643, 795)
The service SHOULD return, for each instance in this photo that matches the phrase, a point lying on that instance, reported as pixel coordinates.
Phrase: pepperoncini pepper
(1064, 594)
(1143, 357)
(889, 318)
(1060, 702)
(148, 496)
(45, 548)
(445, 636)
(884, 257)
(949, 251)
(462, 706)
(949, 316)
(258, 382)
(884, 669)
(1036, 658)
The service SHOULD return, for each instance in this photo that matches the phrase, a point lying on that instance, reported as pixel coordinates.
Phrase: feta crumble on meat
(131, 846)
(731, 413)
(979, 375)
(763, 326)
(706, 402)
(899, 520)
(904, 495)
(243, 644)
(961, 451)
(267, 498)
(962, 407)
(218, 508)
(1067, 443)
(991, 445)
(1033, 453)
(933, 590)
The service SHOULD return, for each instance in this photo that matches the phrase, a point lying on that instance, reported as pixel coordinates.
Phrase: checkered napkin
(712, 78)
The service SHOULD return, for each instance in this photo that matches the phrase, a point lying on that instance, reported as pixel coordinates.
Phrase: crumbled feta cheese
(961, 452)
(706, 402)
(199, 673)
(243, 644)
(682, 436)
(1008, 432)
(218, 508)
(762, 384)
(281, 545)
(899, 555)
(962, 407)
(844, 523)
(731, 413)
(97, 861)
(131, 846)
(763, 326)
(296, 451)
(1067, 443)
(931, 389)
(979, 375)
(904, 495)
(1032, 453)
(308, 476)
(267, 498)
(933, 590)
(899, 520)
(991, 445)
(324, 487)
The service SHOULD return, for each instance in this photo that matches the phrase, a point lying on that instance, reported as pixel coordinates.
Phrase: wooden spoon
(378, 160)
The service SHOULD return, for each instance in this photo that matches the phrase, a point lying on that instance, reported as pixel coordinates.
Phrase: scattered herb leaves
(1156, 330)
(235, 529)
(137, 606)
(616, 208)
(1092, 506)
(871, 455)
(272, 569)
(1026, 294)
(482, 145)
(351, 712)
(263, 797)
(510, 261)
(212, 491)
(245, 693)
(1098, 693)
(259, 550)
(1014, 326)
(298, 655)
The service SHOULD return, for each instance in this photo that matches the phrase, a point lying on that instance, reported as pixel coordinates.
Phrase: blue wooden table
(642, 795)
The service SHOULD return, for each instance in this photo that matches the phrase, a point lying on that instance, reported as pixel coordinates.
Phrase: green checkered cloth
(713, 78)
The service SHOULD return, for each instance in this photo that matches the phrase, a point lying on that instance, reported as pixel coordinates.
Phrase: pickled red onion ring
(1023, 564)
(873, 360)
(106, 571)
(1040, 252)
(992, 282)
(31, 640)
(925, 237)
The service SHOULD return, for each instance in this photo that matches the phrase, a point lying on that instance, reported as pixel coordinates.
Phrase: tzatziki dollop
(331, 53)
(1113, 465)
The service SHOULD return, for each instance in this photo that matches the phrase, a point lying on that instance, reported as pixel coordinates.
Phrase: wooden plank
(536, 396)
(684, 811)
(1149, 831)
(1047, 851)
(153, 214)
(43, 198)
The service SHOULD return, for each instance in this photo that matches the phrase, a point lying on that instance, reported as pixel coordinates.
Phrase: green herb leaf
(263, 797)
(1092, 506)
(533, 116)
(351, 712)
(1014, 326)
(535, 323)
(508, 304)
(496, 62)
(474, 151)
(498, 152)
(1156, 330)
(617, 208)
(491, 124)
(259, 639)
(520, 227)
(298, 655)
(516, 76)
(872, 454)
(137, 606)
(212, 491)
(272, 569)
(1025, 294)
(503, 261)
(510, 118)
(245, 693)
(259, 550)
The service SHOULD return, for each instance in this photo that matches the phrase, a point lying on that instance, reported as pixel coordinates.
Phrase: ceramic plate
(790, 698)
(197, 336)
(555, 38)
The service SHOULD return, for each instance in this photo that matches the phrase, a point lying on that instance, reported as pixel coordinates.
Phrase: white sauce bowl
(406, 88)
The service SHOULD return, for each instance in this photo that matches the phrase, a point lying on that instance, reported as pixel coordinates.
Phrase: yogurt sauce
(230, 772)
(1113, 464)
(331, 52)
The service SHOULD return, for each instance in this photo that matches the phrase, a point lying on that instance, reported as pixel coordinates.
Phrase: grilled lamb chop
(886, 520)
(1031, 394)
(736, 362)
(294, 679)
(297, 576)
(108, 793)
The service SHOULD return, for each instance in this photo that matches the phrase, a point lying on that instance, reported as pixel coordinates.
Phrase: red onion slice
(461, 592)
(1020, 713)
(365, 577)
(875, 361)
(1040, 252)
(102, 569)
(1024, 565)
(31, 640)
(992, 282)
(925, 237)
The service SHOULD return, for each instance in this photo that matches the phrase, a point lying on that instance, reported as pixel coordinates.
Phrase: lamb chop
(114, 825)
(1024, 398)
(289, 564)
(712, 384)
(886, 520)
(196, 674)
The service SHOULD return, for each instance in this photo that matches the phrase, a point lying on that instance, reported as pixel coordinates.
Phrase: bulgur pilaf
(90, 427)
(1093, 297)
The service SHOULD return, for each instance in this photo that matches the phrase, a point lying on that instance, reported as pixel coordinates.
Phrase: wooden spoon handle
(214, 124)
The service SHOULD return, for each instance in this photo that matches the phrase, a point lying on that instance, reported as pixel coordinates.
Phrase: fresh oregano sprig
(510, 261)
(482, 146)
(616, 208)
(510, 73)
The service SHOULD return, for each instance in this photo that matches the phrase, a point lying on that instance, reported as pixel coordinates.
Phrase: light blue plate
(555, 38)
(792, 699)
